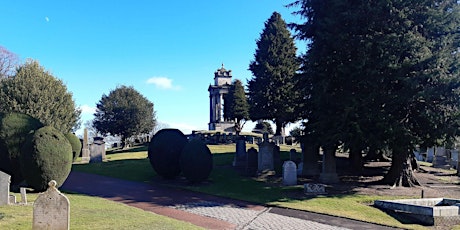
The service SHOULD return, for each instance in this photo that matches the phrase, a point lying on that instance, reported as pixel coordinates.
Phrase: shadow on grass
(137, 148)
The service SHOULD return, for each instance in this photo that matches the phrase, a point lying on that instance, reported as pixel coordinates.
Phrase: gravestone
(311, 188)
(5, 181)
(329, 170)
(240, 155)
(97, 150)
(252, 161)
(51, 210)
(265, 157)
(440, 158)
(85, 147)
(276, 156)
(454, 158)
(430, 155)
(289, 173)
(23, 195)
(300, 169)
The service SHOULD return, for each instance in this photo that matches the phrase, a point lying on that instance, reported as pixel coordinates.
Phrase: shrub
(196, 161)
(14, 128)
(46, 155)
(164, 152)
(75, 143)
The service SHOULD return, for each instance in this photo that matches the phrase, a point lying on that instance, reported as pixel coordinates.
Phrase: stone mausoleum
(217, 92)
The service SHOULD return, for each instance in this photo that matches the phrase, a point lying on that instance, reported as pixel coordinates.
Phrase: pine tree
(271, 90)
(236, 106)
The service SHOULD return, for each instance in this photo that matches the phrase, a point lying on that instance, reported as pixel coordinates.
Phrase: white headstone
(51, 210)
(5, 181)
(289, 173)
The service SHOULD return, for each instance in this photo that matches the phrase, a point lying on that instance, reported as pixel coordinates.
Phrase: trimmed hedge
(46, 155)
(196, 161)
(75, 143)
(14, 128)
(164, 152)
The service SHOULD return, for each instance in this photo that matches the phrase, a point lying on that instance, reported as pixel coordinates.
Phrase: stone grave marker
(311, 188)
(265, 157)
(23, 195)
(454, 158)
(97, 150)
(300, 169)
(5, 181)
(252, 161)
(51, 210)
(85, 150)
(289, 173)
(240, 155)
(430, 155)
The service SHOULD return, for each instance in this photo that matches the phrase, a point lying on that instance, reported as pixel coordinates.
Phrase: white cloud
(47, 19)
(163, 83)
(86, 109)
(185, 128)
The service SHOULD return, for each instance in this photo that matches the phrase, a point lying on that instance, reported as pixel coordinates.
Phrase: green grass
(92, 213)
(224, 181)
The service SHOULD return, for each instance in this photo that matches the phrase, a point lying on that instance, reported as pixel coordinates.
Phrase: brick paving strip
(207, 211)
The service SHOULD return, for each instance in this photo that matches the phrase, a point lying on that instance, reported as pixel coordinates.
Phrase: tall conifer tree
(271, 90)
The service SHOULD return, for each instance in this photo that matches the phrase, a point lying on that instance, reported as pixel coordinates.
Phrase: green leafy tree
(271, 90)
(263, 127)
(124, 112)
(36, 92)
(388, 81)
(236, 106)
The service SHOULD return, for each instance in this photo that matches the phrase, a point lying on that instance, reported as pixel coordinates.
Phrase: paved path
(204, 210)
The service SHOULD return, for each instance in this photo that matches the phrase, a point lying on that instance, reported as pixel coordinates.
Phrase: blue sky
(167, 50)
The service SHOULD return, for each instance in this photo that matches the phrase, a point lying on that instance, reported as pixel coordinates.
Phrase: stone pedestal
(85, 155)
(329, 173)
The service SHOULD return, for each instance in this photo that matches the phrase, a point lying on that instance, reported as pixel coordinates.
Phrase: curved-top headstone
(51, 210)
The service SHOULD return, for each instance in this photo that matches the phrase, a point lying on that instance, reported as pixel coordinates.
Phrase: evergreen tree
(271, 90)
(124, 112)
(36, 92)
(382, 74)
(236, 106)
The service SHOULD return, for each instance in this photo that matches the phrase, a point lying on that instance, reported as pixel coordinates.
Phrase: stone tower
(217, 92)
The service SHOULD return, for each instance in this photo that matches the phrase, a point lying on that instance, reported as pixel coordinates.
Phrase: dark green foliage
(14, 128)
(75, 143)
(124, 112)
(34, 91)
(46, 155)
(196, 161)
(236, 105)
(271, 90)
(164, 152)
(263, 127)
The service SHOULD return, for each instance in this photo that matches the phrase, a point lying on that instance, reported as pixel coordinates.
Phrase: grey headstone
(51, 210)
(252, 161)
(240, 155)
(23, 195)
(289, 173)
(97, 150)
(430, 155)
(5, 181)
(454, 158)
(300, 169)
(293, 155)
(265, 158)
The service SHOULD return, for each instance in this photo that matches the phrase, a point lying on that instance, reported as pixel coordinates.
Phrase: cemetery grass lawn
(92, 213)
(226, 182)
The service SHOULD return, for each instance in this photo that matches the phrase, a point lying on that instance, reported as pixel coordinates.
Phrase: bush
(196, 161)
(14, 128)
(46, 155)
(164, 152)
(75, 143)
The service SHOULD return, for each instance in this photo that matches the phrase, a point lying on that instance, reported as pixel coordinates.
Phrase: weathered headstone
(430, 155)
(252, 161)
(329, 170)
(97, 150)
(51, 210)
(23, 195)
(265, 158)
(85, 147)
(311, 188)
(454, 158)
(440, 158)
(276, 156)
(240, 155)
(289, 173)
(5, 181)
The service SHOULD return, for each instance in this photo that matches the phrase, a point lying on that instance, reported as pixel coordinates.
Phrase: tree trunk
(401, 172)
(356, 160)
(279, 128)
